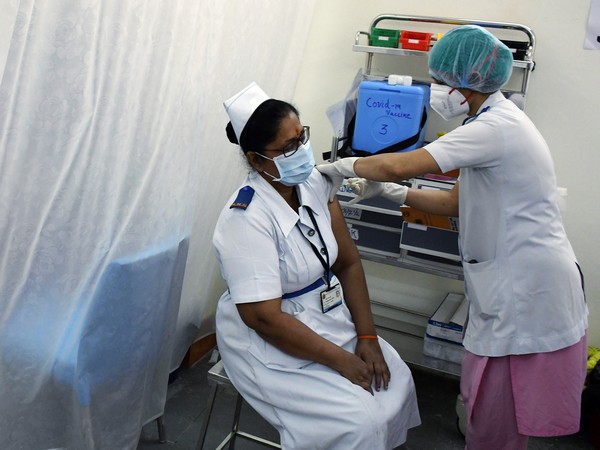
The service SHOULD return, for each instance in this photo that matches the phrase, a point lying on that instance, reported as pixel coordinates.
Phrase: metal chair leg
(218, 377)
(206, 420)
(236, 421)
(162, 435)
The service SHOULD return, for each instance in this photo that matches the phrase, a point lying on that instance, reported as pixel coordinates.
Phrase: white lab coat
(263, 254)
(521, 274)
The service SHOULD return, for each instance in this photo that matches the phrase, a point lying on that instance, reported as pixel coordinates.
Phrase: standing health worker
(526, 337)
(294, 328)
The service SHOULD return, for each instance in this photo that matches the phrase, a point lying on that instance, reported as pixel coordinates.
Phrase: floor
(188, 393)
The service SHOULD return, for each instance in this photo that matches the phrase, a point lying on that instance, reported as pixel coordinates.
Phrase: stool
(218, 377)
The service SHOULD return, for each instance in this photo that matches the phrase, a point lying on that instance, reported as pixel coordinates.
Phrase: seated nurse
(295, 329)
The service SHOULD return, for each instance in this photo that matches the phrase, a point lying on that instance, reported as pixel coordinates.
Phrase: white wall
(563, 101)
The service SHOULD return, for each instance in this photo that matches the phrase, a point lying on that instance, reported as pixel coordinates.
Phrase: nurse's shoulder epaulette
(243, 198)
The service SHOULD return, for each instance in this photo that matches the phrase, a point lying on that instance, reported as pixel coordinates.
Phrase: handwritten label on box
(353, 232)
(351, 213)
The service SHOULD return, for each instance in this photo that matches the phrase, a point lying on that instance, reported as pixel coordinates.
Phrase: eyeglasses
(293, 146)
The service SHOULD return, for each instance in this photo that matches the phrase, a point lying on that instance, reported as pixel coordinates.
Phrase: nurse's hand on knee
(357, 371)
(370, 352)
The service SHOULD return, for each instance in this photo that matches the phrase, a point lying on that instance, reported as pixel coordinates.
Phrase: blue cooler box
(388, 114)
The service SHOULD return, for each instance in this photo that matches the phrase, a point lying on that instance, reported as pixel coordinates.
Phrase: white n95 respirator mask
(447, 101)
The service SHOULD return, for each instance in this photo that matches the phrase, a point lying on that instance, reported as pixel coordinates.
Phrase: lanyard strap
(324, 261)
(472, 118)
(318, 283)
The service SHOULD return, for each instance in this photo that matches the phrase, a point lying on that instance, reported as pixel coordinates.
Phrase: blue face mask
(295, 169)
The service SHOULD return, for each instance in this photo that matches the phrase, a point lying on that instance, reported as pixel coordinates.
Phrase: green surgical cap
(471, 57)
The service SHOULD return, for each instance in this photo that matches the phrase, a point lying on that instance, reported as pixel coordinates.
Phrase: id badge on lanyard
(332, 296)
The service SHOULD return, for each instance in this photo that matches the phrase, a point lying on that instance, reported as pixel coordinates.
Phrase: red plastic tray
(415, 40)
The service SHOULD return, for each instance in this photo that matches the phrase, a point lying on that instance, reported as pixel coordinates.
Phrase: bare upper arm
(258, 314)
(347, 252)
(396, 166)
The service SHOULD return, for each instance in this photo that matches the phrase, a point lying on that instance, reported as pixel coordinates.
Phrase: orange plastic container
(415, 40)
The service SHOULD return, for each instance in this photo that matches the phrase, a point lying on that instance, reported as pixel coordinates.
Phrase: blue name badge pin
(331, 298)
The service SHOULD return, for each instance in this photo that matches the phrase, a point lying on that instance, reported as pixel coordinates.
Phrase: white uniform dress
(263, 254)
(521, 275)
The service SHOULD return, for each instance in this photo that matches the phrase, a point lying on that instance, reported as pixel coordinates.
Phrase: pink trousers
(513, 397)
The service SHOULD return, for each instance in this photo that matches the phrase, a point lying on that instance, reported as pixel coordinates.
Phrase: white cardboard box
(449, 320)
(442, 349)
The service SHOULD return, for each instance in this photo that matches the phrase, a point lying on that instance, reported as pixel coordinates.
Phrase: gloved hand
(364, 189)
(367, 189)
(336, 172)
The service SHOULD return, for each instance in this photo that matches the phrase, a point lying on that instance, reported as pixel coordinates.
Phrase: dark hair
(263, 126)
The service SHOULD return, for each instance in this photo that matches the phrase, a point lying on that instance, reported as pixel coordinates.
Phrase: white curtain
(113, 161)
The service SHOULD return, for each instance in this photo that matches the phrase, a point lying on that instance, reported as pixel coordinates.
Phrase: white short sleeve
(246, 249)
(477, 144)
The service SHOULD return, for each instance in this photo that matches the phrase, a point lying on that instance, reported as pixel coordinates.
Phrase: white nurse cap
(242, 105)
